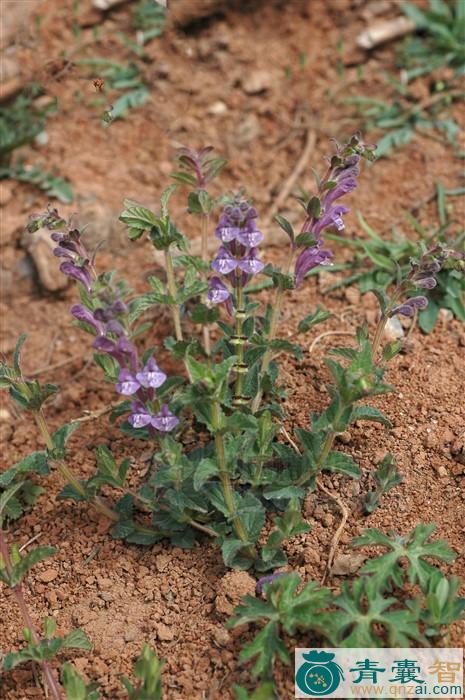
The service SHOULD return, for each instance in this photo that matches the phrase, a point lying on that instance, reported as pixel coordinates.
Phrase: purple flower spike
(418, 302)
(81, 274)
(250, 264)
(250, 238)
(82, 314)
(224, 263)
(165, 421)
(119, 307)
(217, 291)
(409, 306)
(139, 417)
(151, 376)
(60, 252)
(309, 259)
(127, 384)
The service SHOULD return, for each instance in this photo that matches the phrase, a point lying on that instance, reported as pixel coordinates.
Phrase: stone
(345, 564)
(218, 108)
(164, 633)
(256, 81)
(40, 248)
(231, 588)
(48, 575)
(393, 329)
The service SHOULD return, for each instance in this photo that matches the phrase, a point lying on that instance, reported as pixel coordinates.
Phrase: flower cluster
(323, 211)
(237, 258)
(421, 277)
(109, 321)
(105, 314)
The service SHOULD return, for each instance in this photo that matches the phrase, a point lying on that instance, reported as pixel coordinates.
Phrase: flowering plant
(241, 472)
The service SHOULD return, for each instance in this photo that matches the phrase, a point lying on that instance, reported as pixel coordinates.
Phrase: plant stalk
(239, 343)
(47, 670)
(226, 481)
(172, 289)
(204, 253)
(275, 316)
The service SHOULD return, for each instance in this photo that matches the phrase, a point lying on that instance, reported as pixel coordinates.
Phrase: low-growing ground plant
(20, 123)
(244, 483)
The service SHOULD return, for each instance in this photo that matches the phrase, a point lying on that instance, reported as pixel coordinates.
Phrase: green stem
(239, 343)
(226, 485)
(204, 253)
(275, 317)
(172, 290)
(325, 450)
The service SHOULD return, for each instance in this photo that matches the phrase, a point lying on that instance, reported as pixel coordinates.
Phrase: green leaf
(75, 687)
(265, 691)
(230, 549)
(28, 561)
(285, 225)
(77, 639)
(428, 317)
(342, 463)
(317, 316)
(60, 438)
(7, 496)
(205, 470)
(265, 648)
(137, 217)
(412, 548)
(369, 413)
(17, 353)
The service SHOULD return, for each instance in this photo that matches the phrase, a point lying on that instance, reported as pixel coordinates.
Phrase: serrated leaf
(343, 464)
(77, 639)
(371, 414)
(204, 471)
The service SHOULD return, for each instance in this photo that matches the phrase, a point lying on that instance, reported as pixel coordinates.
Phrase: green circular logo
(319, 675)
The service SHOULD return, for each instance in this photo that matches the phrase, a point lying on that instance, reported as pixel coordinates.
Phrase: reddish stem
(47, 670)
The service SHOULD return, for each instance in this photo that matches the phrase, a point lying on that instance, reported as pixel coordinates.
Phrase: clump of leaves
(386, 477)
(402, 116)
(21, 121)
(55, 187)
(363, 614)
(438, 41)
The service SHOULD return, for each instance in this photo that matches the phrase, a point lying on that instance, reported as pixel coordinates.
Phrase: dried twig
(56, 365)
(325, 335)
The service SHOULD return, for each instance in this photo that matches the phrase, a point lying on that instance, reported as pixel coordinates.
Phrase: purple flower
(330, 219)
(127, 383)
(139, 417)
(425, 282)
(345, 186)
(250, 237)
(217, 291)
(115, 327)
(165, 421)
(225, 232)
(119, 307)
(151, 376)
(81, 274)
(82, 314)
(409, 306)
(308, 259)
(250, 264)
(267, 579)
(224, 263)
(104, 345)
